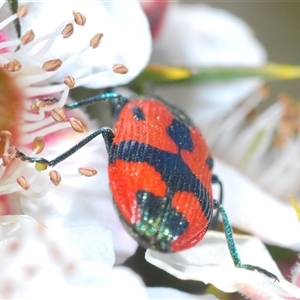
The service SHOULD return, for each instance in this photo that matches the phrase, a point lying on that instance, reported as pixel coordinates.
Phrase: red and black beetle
(160, 174)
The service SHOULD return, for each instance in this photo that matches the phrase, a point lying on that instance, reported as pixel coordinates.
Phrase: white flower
(36, 264)
(35, 66)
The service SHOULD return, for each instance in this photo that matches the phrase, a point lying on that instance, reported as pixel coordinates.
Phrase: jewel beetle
(160, 174)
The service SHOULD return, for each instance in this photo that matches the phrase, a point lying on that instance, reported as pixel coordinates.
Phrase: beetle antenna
(106, 132)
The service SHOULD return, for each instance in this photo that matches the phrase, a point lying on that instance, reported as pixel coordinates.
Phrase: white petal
(82, 206)
(198, 35)
(35, 264)
(253, 210)
(126, 40)
(170, 293)
(210, 262)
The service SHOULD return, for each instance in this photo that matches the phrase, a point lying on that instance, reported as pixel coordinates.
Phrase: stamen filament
(8, 44)
(29, 127)
(51, 37)
(44, 90)
(25, 81)
(27, 138)
(8, 20)
(39, 194)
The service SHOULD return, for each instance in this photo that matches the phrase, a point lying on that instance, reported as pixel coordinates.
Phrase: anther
(22, 11)
(6, 135)
(23, 183)
(55, 177)
(68, 30)
(36, 105)
(38, 144)
(79, 18)
(27, 37)
(87, 171)
(13, 66)
(52, 65)
(77, 125)
(120, 69)
(95, 41)
(58, 114)
(69, 81)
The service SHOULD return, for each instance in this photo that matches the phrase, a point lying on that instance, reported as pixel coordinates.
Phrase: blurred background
(276, 24)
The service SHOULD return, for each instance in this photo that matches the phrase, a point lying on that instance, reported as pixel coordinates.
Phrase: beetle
(160, 174)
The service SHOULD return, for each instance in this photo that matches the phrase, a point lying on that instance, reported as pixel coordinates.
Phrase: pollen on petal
(52, 65)
(120, 69)
(55, 177)
(58, 114)
(79, 18)
(27, 37)
(68, 30)
(87, 171)
(13, 66)
(69, 81)
(23, 183)
(77, 125)
(95, 41)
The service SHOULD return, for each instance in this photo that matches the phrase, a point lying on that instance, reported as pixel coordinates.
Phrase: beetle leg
(232, 247)
(117, 100)
(107, 135)
(214, 222)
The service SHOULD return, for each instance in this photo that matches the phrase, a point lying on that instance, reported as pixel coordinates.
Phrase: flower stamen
(23, 183)
(68, 30)
(120, 69)
(52, 65)
(87, 171)
(77, 125)
(95, 41)
(27, 37)
(55, 177)
(13, 66)
(22, 11)
(58, 114)
(38, 144)
(79, 18)
(69, 81)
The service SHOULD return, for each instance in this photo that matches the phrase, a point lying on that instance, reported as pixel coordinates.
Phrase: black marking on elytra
(138, 114)
(181, 135)
(160, 223)
(210, 162)
(177, 112)
(173, 169)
